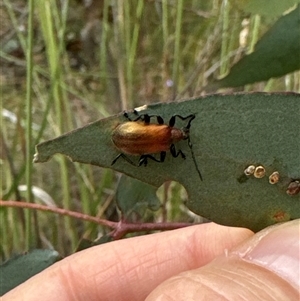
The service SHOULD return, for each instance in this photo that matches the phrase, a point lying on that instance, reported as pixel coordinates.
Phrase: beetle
(141, 138)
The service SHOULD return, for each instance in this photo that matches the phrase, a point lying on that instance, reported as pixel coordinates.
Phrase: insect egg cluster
(258, 172)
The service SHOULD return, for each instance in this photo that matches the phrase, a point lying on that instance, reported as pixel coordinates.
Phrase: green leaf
(229, 133)
(20, 268)
(276, 54)
(135, 197)
(86, 243)
(268, 8)
(103, 240)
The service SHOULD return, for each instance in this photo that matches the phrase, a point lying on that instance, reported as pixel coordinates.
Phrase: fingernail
(276, 248)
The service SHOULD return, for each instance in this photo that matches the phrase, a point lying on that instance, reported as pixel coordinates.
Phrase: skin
(203, 262)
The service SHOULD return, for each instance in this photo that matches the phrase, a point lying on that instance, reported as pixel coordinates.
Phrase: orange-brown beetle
(141, 138)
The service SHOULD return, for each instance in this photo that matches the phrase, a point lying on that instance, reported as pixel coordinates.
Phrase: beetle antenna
(194, 159)
(186, 130)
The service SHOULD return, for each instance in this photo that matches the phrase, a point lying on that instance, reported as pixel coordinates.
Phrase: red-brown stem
(120, 229)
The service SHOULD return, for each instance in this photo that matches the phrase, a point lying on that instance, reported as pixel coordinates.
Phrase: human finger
(131, 268)
(265, 267)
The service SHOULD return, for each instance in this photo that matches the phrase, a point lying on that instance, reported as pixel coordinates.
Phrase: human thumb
(264, 267)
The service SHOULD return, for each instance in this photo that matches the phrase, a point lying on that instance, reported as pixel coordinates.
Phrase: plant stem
(29, 95)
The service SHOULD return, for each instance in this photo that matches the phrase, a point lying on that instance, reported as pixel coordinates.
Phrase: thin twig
(120, 229)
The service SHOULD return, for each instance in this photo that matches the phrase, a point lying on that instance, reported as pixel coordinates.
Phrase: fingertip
(257, 269)
(276, 248)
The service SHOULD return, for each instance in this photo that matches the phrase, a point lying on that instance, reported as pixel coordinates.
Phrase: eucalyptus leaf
(21, 267)
(135, 197)
(229, 133)
(268, 8)
(277, 53)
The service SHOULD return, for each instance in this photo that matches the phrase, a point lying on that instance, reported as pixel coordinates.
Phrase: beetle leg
(176, 154)
(172, 120)
(144, 117)
(144, 159)
(148, 117)
(124, 157)
(160, 120)
(162, 156)
(125, 114)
